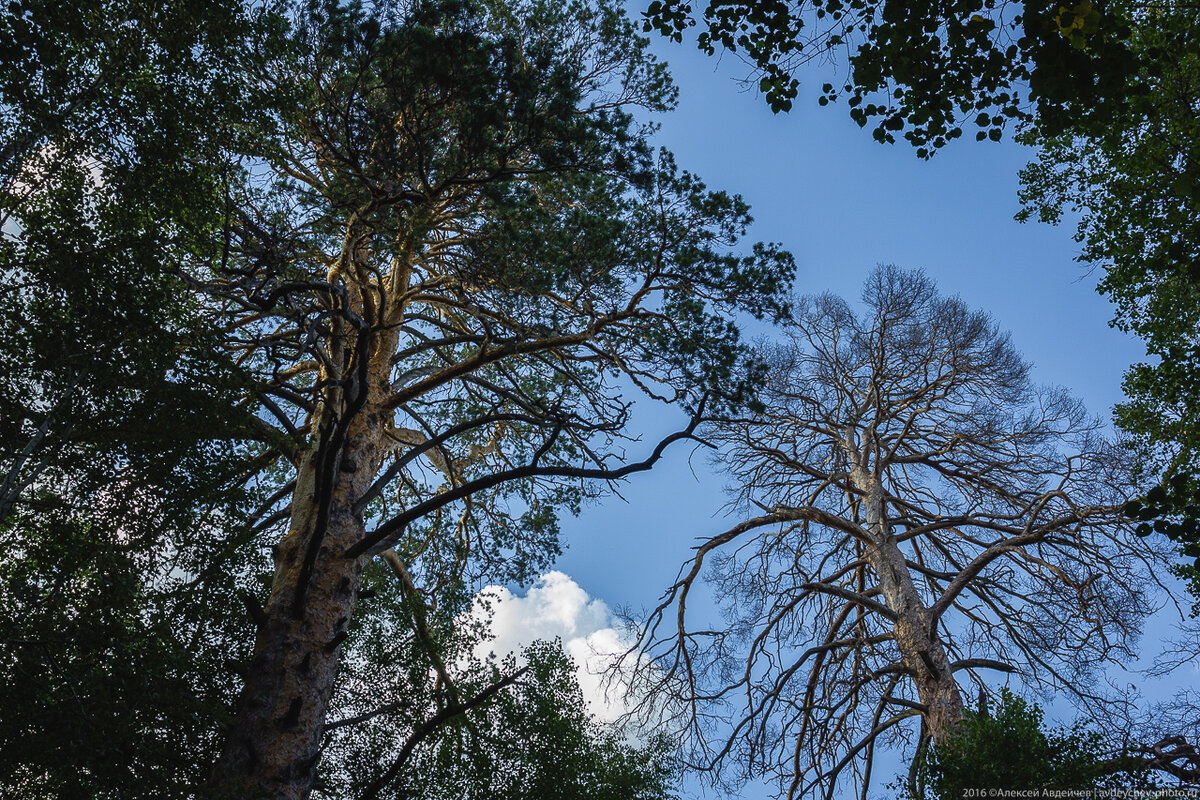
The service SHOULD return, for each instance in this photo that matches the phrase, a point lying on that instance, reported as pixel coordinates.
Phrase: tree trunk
(922, 651)
(273, 744)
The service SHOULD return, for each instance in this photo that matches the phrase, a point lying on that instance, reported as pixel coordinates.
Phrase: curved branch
(382, 537)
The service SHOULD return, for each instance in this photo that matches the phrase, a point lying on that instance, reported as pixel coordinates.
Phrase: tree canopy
(1131, 176)
(316, 316)
(924, 70)
(122, 491)
(103, 351)
(378, 294)
(1105, 88)
(1006, 747)
(456, 246)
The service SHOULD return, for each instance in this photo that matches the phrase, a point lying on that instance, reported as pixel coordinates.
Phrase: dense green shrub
(1009, 748)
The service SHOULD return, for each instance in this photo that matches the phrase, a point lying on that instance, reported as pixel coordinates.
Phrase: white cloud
(556, 606)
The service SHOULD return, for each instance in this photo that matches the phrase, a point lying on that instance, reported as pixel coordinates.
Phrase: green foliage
(1008, 748)
(1172, 508)
(116, 117)
(540, 741)
(114, 649)
(1131, 174)
(546, 215)
(96, 71)
(123, 484)
(924, 69)
(535, 738)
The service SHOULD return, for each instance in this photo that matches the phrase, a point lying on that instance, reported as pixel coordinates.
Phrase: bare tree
(929, 514)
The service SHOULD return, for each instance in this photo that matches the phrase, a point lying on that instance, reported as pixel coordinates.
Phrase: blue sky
(843, 203)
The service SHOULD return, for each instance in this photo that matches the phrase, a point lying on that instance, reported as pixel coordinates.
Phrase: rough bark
(922, 651)
(273, 744)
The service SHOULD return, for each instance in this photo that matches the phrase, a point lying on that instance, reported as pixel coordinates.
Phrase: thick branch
(385, 535)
